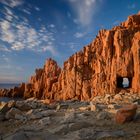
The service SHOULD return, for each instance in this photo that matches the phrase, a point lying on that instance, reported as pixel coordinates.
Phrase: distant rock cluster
(98, 69)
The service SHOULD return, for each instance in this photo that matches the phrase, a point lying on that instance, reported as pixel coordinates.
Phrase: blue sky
(33, 30)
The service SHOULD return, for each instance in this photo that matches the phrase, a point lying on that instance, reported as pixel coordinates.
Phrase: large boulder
(126, 114)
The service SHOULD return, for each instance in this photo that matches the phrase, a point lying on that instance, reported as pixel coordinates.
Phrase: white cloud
(79, 35)
(84, 9)
(12, 3)
(73, 46)
(37, 8)
(50, 49)
(19, 35)
(8, 14)
(6, 34)
(27, 11)
(17, 46)
(52, 25)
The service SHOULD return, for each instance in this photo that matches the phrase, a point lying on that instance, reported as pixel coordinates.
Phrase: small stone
(11, 104)
(92, 107)
(84, 108)
(45, 121)
(118, 97)
(58, 107)
(107, 98)
(113, 106)
(32, 115)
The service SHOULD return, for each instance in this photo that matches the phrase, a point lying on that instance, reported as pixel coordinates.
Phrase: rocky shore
(34, 119)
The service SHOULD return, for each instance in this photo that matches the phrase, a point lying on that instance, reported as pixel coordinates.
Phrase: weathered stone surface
(126, 114)
(23, 106)
(2, 116)
(12, 113)
(66, 123)
(98, 69)
(103, 115)
(45, 121)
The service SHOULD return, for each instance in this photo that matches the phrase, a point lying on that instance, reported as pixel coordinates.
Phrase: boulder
(22, 105)
(12, 113)
(126, 114)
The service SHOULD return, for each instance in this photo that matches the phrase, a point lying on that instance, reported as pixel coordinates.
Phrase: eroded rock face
(98, 69)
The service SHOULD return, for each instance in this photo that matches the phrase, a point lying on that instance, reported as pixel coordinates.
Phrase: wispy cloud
(37, 8)
(27, 11)
(52, 25)
(19, 34)
(84, 9)
(79, 35)
(12, 3)
(73, 46)
(51, 49)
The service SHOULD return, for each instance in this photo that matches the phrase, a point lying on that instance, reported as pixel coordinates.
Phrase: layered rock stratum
(97, 69)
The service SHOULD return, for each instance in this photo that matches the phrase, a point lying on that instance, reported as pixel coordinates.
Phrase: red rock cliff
(97, 69)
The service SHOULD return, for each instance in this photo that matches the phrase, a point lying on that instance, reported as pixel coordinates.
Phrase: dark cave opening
(124, 82)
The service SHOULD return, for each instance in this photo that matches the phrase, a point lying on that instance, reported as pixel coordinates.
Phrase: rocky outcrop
(44, 81)
(98, 69)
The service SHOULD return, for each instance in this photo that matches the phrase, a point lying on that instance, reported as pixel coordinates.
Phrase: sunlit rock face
(98, 69)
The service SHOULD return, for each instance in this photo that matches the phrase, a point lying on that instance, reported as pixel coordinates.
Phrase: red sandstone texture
(93, 71)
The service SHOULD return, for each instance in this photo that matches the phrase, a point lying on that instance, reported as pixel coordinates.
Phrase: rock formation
(98, 69)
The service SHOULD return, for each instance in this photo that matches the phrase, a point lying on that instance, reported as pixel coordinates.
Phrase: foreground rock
(33, 119)
(126, 114)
